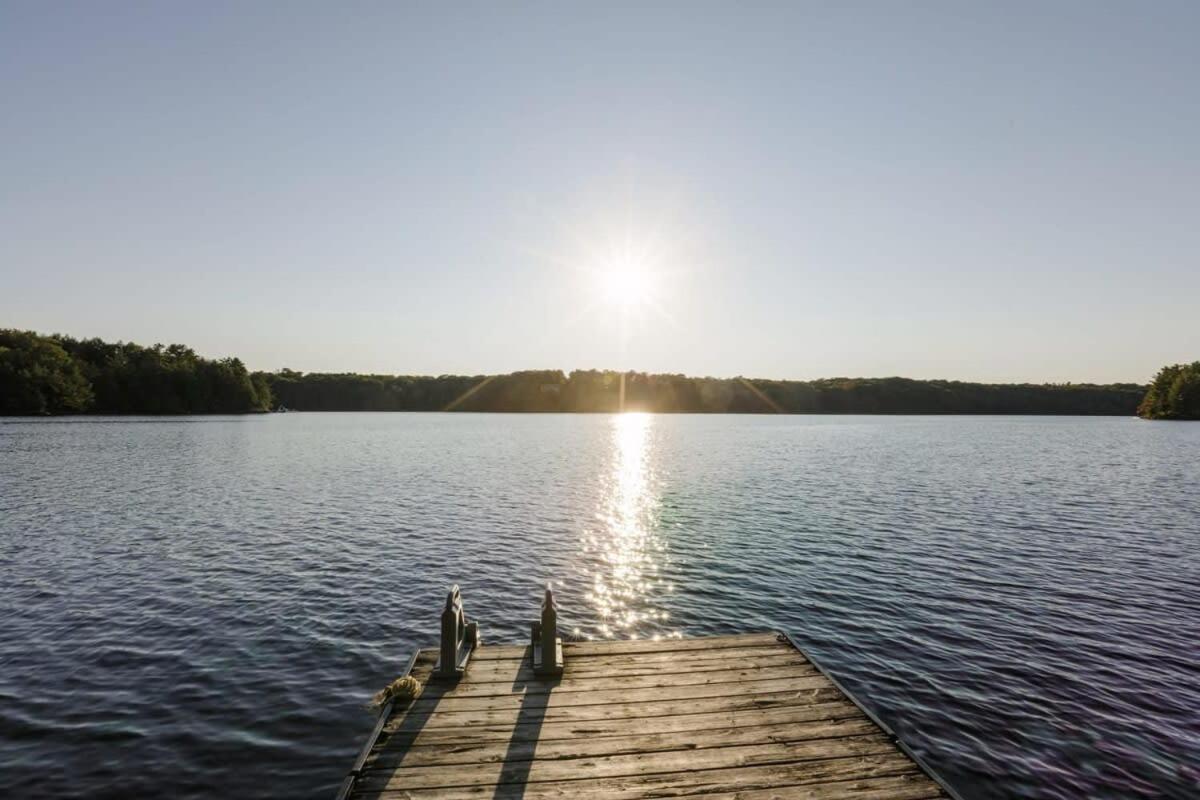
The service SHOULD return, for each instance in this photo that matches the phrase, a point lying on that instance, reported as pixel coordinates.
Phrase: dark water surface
(200, 607)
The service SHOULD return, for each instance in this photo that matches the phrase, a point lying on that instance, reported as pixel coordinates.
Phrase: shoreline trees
(585, 391)
(1173, 394)
(42, 375)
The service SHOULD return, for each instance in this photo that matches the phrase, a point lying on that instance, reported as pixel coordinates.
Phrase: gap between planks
(431, 701)
(858, 757)
(517, 687)
(656, 663)
(637, 710)
(617, 647)
(597, 734)
(588, 747)
(897, 786)
(420, 734)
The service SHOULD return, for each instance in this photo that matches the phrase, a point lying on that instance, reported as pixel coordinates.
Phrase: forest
(43, 375)
(1173, 394)
(592, 390)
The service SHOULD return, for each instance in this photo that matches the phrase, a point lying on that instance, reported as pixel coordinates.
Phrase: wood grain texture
(615, 711)
(631, 664)
(782, 778)
(617, 682)
(624, 725)
(722, 717)
(432, 754)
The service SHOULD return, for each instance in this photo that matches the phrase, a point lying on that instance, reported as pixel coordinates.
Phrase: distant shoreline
(588, 391)
(59, 375)
(168, 415)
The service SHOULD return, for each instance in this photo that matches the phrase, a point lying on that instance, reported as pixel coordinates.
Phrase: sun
(626, 279)
(626, 284)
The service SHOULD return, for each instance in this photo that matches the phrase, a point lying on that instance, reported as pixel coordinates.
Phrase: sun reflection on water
(625, 553)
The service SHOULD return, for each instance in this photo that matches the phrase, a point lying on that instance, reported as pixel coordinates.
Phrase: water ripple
(200, 607)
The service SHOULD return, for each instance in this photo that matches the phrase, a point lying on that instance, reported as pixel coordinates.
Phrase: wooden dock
(744, 717)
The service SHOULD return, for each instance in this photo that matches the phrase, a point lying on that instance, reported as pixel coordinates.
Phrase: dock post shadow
(522, 744)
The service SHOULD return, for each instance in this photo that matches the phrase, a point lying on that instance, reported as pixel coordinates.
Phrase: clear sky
(786, 190)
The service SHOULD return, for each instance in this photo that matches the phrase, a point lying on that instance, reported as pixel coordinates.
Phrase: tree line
(1173, 394)
(62, 375)
(606, 391)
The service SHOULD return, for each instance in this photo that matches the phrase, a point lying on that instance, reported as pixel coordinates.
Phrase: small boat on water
(747, 716)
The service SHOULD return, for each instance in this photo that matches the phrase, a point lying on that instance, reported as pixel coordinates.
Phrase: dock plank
(903, 786)
(626, 765)
(621, 726)
(704, 643)
(746, 717)
(783, 778)
(424, 754)
(616, 711)
(594, 682)
(451, 701)
(651, 664)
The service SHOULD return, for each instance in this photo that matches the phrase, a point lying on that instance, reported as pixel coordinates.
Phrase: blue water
(200, 607)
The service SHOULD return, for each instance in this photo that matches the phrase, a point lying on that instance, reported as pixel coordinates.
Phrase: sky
(775, 190)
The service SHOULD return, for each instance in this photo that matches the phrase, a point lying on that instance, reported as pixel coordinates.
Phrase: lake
(192, 605)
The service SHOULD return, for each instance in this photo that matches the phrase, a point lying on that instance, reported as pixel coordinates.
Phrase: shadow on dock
(398, 740)
(747, 715)
(522, 744)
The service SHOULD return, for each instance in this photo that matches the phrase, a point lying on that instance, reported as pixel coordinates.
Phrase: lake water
(200, 607)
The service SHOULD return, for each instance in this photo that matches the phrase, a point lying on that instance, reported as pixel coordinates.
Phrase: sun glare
(626, 277)
(626, 285)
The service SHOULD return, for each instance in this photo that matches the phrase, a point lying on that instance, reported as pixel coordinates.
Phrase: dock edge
(385, 713)
(891, 734)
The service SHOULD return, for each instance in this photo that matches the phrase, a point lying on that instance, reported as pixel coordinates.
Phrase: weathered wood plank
(720, 718)
(585, 747)
(515, 660)
(418, 734)
(679, 783)
(651, 708)
(434, 698)
(617, 646)
(633, 664)
(707, 643)
(674, 656)
(910, 786)
(914, 786)
(625, 683)
(767, 753)
(500, 652)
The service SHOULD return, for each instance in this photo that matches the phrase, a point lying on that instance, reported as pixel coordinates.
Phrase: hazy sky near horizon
(807, 189)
